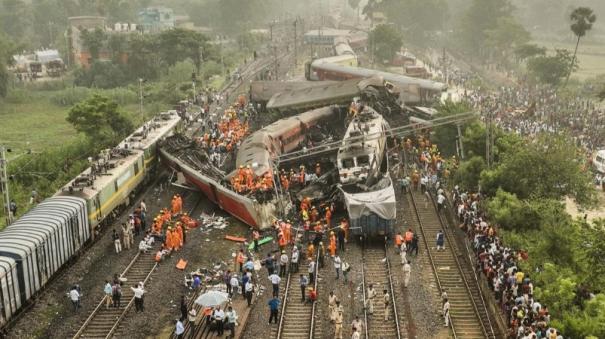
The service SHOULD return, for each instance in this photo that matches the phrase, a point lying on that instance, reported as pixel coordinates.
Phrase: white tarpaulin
(381, 202)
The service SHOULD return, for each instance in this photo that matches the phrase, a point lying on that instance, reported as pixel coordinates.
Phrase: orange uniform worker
(398, 240)
(288, 231)
(344, 224)
(282, 241)
(181, 234)
(168, 243)
(310, 251)
(332, 246)
(239, 260)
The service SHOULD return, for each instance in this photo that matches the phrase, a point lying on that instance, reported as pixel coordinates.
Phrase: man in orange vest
(240, 260)
(282, 241)
(332, 246)
(398, 240)
(288, 232)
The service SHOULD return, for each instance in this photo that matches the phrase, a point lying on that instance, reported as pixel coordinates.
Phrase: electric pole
(460, 142)
(141, 100)
(4, 185)
(295, 44)
(489, 140)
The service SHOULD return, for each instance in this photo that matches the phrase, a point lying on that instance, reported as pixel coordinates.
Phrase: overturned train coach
(259, 150)
(39, 243)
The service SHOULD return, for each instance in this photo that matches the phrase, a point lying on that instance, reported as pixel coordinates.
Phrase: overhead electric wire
(396, 131)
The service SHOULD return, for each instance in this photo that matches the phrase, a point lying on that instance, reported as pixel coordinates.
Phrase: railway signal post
(4, 184)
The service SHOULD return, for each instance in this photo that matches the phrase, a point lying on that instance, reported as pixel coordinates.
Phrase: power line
(397, 131)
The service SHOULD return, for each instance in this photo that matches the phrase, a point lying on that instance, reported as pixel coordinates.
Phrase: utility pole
(489, 140)
(444, 65)
(271, 30)
(275, 67)
(460, 142)
(141, 100)
(193, 78)
(4, 184)
(295, 44)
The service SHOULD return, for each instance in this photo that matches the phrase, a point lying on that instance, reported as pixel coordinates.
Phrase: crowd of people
(512, 288)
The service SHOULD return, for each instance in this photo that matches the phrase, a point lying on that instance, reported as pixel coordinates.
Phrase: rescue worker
(398, 240)
(371, 296)
(332, 246)
(318, 170)
(282, 241)
(310, 251)
(387, 300)
(288, 231)
(240, 260)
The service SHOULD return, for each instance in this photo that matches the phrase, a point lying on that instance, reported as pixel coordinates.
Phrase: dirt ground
(53, 317)
(597, 213)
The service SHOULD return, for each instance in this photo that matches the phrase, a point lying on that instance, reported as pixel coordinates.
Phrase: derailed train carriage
(42, 241)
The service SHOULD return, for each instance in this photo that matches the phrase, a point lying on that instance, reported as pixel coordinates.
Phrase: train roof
(391, 77)
(264, 90)
(372, 123)
(130, 150)
(340, 92)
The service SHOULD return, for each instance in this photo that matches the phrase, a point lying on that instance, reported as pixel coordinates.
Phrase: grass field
(591, 57)
(37, 121)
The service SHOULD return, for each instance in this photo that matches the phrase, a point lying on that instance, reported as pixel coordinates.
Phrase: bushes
(71, 96)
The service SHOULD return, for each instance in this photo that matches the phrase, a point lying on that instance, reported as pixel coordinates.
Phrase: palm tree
(582, 19)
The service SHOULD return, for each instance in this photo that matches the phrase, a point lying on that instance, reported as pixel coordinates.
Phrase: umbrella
(212, 298)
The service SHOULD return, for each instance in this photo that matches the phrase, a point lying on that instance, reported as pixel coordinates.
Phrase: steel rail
(365, 298)
(395, 314)
(314, 306)
(483, 304)
(430, 256)
(282, 315)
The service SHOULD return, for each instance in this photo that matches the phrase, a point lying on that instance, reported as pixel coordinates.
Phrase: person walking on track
(273, 308)
(371, 296)
(387, 299)
(407, 271)
(303, 286)
(440, 241)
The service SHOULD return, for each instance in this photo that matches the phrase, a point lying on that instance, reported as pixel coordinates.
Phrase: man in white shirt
(407, 271)
(312, 271)
(440, 202)
(337, 263)
(231, 321)
(74, 296)
(234, 282)
(249, 290)
(179, 329)
(138, 297)
(143, 246)
(275, 280)
(294, 261)
(446, 312)
(219, 316)
(357, 324)
(283, 264)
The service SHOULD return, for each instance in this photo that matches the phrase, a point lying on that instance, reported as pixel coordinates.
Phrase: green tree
(582, 19)
(14, 18)
(555, 171)
(445, 136)
(7, 49)
(527, 51)
(100, 119)
(386, 41)
(511, 213)
(552, 69)
(507, 35)
(478, 19)
(467, 175)
(178, 44)
(417, 18)
(94, 40)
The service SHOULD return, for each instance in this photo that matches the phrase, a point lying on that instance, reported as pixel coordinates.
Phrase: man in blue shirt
(273, 308)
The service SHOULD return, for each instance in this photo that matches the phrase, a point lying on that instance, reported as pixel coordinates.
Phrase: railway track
(297, 319)
(105, 322)
(468, 313)
(377, 272)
